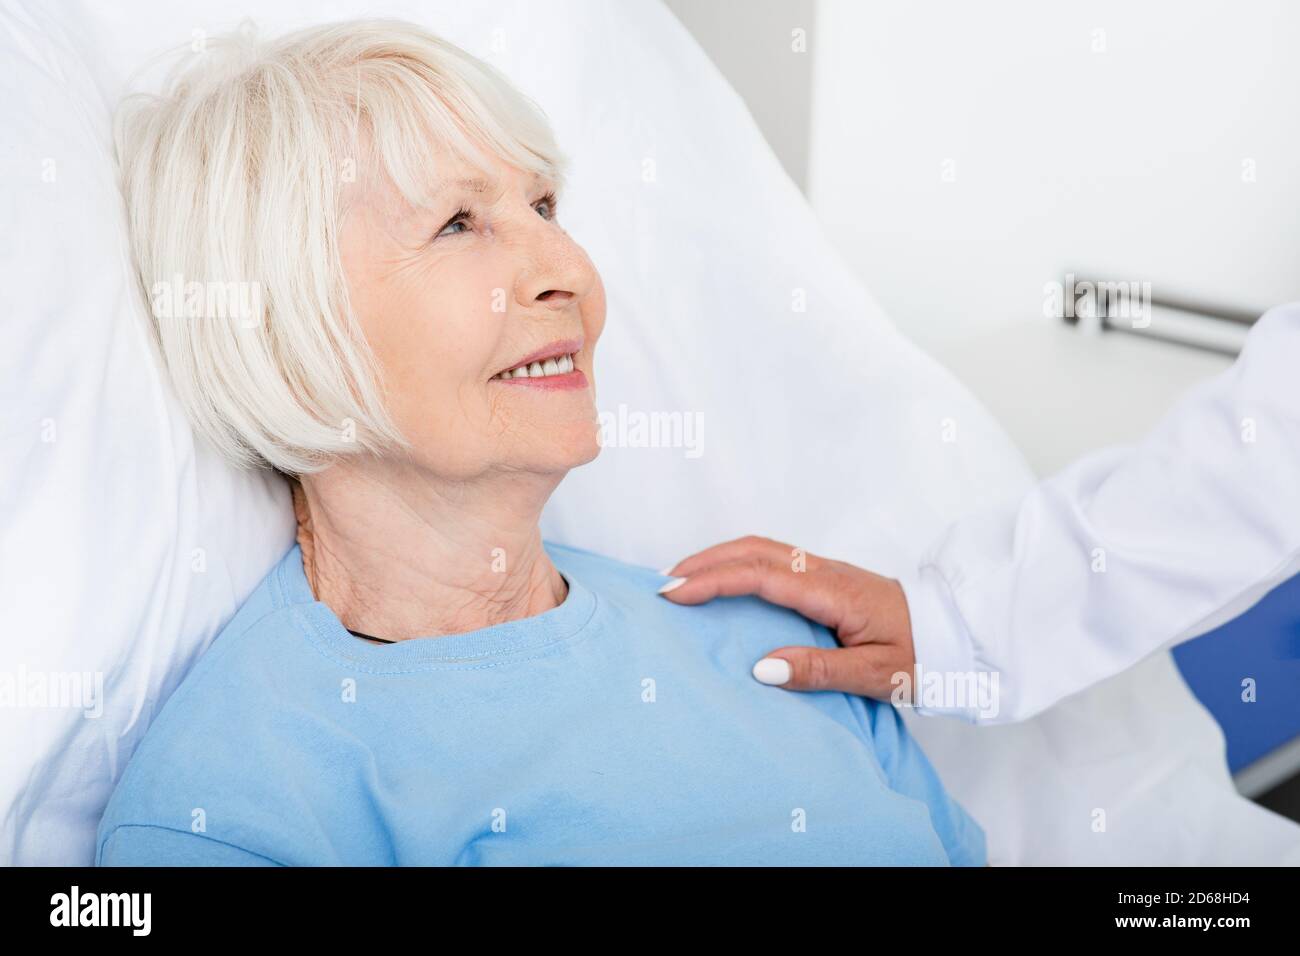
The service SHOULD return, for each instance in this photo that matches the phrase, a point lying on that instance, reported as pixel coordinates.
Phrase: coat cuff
(941, 640)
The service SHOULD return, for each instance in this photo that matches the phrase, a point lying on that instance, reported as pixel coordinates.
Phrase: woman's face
(453, 296)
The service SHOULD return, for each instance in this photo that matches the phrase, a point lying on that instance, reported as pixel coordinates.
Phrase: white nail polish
(673, 583)
(773, 671)
(668, 571)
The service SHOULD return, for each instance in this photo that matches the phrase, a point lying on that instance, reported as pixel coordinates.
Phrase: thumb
(865, 670)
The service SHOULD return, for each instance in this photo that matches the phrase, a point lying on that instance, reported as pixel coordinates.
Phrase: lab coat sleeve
(1123, 552)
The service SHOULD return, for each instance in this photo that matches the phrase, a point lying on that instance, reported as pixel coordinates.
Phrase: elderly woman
(423, 680)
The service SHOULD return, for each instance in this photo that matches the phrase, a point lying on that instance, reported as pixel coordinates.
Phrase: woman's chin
(559, 448)
(580, 447)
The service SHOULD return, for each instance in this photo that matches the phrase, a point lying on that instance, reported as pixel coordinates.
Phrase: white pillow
(125, 546)
(820, 424)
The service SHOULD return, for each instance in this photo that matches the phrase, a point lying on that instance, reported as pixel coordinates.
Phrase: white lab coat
(1128, 550)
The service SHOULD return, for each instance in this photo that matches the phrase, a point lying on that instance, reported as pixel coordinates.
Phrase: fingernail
(673, 583)
(668, 571)
(773, 671)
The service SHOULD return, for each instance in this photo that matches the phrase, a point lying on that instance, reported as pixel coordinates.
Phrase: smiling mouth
(547, 368)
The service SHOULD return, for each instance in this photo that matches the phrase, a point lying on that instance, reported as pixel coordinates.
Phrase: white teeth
(552, 366)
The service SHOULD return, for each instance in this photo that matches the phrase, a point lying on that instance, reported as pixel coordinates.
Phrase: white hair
(233, 181)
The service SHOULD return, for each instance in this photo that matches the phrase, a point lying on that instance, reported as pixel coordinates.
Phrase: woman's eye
(458, 224)
(546, 207)
(463, 221)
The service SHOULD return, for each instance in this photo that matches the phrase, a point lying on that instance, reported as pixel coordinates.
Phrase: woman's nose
(557, 275)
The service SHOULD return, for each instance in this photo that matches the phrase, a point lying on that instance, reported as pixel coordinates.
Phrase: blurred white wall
(963, 154)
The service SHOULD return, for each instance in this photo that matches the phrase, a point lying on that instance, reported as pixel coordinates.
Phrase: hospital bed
(126, 544)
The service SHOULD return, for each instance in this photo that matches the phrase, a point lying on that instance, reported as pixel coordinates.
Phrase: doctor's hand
(866, 612)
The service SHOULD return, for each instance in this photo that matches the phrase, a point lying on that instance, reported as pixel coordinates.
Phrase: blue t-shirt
(617, 728)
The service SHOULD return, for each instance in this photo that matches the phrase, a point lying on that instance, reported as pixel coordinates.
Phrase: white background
(1101, 138)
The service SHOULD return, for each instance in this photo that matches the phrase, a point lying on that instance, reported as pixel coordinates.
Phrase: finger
(778, 583)
(739, 549)
(866, 670)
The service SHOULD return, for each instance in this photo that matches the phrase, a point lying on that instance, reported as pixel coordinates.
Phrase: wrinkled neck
(397, 558)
